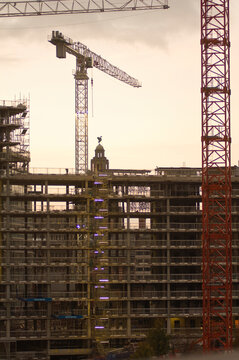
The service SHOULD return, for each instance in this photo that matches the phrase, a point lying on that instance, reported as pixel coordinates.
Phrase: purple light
(96, 234)
(78, 226)
(98, 183)
(103, 280)
(99, 327)
(102, 268)
(99, 200)
(102, 252)
(96, 252)
(104, 298)
(103, 227)
(98, 217)
(96, 268)
(100, 287)
(102, 174)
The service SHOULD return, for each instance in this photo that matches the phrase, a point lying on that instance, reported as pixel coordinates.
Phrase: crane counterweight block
(60, 50)
(60, 42)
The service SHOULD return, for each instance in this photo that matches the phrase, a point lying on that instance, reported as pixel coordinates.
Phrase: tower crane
(216, 176)
(85, 58)
(216, 146)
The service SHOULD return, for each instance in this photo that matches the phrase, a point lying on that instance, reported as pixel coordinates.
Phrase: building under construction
(90, 262)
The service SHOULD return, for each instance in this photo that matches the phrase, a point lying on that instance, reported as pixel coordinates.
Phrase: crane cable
(92, 93)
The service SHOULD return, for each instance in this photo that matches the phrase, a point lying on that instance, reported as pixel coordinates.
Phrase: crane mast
(81, 116)
(85, 58)
(60, 7)
(216, 176)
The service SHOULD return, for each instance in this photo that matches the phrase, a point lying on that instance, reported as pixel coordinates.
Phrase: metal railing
(52, 171)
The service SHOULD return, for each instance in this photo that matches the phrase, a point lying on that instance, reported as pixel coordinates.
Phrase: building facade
(90, 262)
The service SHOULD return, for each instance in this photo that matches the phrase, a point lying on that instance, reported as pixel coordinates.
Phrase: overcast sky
(156, 125)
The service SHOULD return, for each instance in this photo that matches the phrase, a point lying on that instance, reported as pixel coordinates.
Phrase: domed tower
(99, 162)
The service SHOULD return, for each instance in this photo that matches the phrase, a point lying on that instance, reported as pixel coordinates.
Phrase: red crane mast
(216, 176)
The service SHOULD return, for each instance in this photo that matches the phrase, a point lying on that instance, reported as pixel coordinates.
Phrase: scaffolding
(14, 136)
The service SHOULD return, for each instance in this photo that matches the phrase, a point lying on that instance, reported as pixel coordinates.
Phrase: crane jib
(59, 7)
(66, 45)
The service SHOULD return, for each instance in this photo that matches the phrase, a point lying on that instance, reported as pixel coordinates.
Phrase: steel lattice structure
(59, 7)
(81, 120)
(85, 58)
(216, 176)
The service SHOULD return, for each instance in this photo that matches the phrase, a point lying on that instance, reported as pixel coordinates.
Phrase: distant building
(89, 262)
(99, 163)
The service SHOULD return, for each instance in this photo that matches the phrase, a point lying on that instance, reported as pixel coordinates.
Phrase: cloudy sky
(156, 125)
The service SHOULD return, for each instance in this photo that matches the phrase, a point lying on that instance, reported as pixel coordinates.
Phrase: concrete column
(128, 268)
(168, 268)
(89, 291)
(48, 240)
(8, 275)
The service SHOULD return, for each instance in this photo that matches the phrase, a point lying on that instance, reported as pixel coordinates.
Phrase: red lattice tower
(216, 176)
